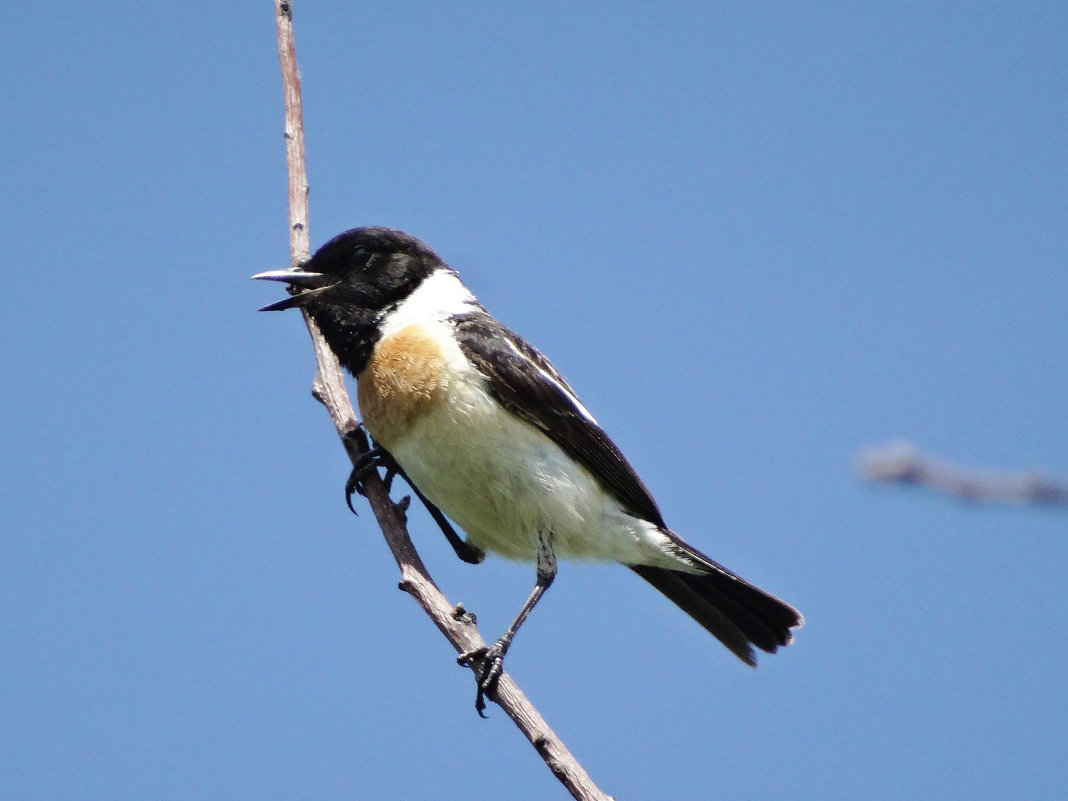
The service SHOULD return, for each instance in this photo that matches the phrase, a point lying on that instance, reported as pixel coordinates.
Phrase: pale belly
(503, 481)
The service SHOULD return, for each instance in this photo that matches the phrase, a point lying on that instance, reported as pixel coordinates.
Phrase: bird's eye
(362, 252)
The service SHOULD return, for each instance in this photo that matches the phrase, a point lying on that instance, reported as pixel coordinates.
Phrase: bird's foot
(364, 467)
(488, 665)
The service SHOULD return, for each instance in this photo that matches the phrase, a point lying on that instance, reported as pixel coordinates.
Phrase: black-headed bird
(486, 430)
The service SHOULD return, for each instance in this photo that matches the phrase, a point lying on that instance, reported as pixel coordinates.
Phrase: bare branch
(902, 463)
(296, 167)
(329, 388)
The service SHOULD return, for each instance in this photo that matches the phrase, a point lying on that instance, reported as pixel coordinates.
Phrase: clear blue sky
(755, 238)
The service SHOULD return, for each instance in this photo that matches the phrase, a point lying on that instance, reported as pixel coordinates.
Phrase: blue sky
(755, 237)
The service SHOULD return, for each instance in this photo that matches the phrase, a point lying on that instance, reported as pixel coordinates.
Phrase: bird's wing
(526, 383)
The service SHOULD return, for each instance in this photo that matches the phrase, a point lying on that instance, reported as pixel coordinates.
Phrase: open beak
(303, 287)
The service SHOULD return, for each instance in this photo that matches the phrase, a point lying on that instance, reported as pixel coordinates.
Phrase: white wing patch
(551, 379)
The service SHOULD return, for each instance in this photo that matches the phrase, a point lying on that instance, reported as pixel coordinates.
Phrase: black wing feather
(734, 611)
(516, 373)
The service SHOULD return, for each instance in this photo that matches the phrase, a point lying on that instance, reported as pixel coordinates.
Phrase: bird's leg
(467, 552)
(487, 663)
(378, 457)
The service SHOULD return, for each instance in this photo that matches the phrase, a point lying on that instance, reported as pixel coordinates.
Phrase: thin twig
(902, 463)
(329, 388)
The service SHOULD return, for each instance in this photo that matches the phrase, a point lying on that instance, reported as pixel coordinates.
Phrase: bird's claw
(363, 468)
(488, 665)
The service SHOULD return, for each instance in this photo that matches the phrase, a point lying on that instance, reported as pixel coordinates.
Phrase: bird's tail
(735, 612)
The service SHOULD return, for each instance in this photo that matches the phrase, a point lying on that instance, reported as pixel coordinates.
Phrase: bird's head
(352, 282)
(367, 268)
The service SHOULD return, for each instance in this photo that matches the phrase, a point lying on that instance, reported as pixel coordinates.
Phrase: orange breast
(405, 376)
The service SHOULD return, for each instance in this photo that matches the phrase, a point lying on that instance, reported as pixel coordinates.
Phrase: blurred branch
(902, 463)
(329, 388)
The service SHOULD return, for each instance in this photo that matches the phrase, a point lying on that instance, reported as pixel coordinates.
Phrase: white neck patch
(439, 297)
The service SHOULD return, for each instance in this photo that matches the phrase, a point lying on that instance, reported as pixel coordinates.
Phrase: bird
(489, 433)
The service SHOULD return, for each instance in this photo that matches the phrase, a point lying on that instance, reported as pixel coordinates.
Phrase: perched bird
(486, 430)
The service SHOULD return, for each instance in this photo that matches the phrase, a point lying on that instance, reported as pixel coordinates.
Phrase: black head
(352, 281)
(375, 266)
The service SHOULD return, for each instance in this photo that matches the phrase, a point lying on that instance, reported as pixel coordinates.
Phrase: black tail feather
(732, 610)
